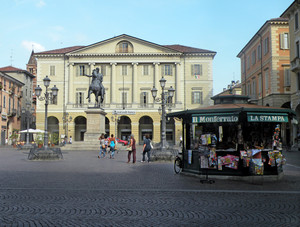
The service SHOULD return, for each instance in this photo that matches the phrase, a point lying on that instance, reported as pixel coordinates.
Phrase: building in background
(26, 92)
(131, 67)
(10, 106)
(292, 13)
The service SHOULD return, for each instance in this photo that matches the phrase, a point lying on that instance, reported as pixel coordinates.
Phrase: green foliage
(14, 136)
(54, 139)
(39, 139)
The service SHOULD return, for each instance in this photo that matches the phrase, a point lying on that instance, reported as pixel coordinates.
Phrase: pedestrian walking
(133, 149)
(113, 147)
(102, 146)
(146, 148)
(70, 140)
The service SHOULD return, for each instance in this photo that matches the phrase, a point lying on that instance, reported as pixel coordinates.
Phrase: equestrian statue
(96, 87)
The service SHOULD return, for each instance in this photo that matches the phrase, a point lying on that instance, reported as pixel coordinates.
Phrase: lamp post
(115, 118)
(27, 113)
(163, 101)
(38, 91)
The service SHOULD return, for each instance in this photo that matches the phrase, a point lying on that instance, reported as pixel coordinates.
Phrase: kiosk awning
(267, 117)
(216, 117)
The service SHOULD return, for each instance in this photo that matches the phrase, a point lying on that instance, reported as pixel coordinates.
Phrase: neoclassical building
(131, 67)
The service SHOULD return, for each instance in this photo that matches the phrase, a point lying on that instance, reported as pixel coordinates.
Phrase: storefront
(233, 137)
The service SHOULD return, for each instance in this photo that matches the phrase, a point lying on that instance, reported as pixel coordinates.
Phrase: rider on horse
(96, 86)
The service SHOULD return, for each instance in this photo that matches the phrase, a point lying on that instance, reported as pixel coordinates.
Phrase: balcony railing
(12, 112)
(295, 65)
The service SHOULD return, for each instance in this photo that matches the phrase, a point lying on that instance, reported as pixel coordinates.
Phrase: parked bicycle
(178, 164)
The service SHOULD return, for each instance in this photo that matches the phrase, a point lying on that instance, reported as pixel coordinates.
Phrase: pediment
(112, 46)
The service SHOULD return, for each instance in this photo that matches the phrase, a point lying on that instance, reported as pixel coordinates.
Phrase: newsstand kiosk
(233, 137)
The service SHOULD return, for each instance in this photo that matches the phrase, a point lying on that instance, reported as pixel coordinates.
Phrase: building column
(113, 93)
(135, 131)
(71, 81)
(156, 77)
(134, 83)
(177, 82)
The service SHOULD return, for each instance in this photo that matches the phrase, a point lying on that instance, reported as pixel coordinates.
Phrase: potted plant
(54, 139)
(39, 140)
(14, 137)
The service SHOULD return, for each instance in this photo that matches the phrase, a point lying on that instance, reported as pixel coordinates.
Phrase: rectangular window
(253, 57)
(266, 81)
(124, 70)
(284, 41)
(259, 84)
(287, 77)
(103, 69)
(248, 62)
(266, 45)
(243, 65)
(4, 101)
(298, 81)
(296, 21)
(249, 89)
(124, 99)
(167, 70)
(31, 70)
(259, 52)
(197, 97)
(196, 70)
(53, 100)
(52, 70)
(297, 49)
(81, 70)
(144, 99)
(79, 98)
(254, 88)
(146, 70)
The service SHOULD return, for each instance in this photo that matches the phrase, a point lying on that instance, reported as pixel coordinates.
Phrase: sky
(223, 26)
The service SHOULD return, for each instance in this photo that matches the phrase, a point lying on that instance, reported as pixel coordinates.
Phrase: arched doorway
(124, 127)
(80, 128)
(53, 129)
(145, 127)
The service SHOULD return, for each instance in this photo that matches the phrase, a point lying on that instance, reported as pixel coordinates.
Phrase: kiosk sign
(264, 117)
(215, 118)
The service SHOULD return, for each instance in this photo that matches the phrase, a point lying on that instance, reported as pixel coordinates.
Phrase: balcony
(12, 113)
(295, 65)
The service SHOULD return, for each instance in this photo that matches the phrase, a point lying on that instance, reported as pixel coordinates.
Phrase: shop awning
(267, 117)
(214, 118)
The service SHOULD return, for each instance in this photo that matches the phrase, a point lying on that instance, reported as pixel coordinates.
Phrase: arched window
(124, 47)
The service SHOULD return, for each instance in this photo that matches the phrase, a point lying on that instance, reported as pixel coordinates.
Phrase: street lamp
(163, 100)
(115, 119)
(38, 91)
(27, 113)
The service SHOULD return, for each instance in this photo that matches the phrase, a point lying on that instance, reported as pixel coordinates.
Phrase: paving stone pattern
(82, 190)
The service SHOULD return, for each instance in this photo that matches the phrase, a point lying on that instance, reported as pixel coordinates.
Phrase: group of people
(106, 142)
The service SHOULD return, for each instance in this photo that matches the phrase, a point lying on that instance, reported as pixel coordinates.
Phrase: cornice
(122, 54)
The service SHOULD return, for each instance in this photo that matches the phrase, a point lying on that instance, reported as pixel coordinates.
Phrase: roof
(176, 47)
(32, 60)
(231, 108)
(11, 69)
(61, 51)
(186, 49)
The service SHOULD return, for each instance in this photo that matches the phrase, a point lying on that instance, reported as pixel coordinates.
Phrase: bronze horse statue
(96, 87)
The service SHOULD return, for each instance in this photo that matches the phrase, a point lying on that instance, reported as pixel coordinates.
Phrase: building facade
(26, 93)
(10, 106)
(265, 68)
(131, 67)
(292, 13)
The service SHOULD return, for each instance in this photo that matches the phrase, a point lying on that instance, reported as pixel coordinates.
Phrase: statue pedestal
(95, 124)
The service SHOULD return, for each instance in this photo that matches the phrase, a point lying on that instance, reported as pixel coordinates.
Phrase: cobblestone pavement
(82, 190)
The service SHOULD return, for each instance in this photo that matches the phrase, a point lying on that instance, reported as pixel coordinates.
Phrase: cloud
(40, 4)
(29, 45)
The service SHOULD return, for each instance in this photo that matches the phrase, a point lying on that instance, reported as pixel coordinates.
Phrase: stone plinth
(95, 124)
(42, 154)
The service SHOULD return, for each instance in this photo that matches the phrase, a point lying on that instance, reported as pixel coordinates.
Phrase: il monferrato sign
(215, 118)
(267, 117)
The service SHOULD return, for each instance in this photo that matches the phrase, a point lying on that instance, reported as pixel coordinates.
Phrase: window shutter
(171, 70)
(192, 70)
(282, 41)
(77, 70)
(200, 70)
(193, 94)
(142, 98)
